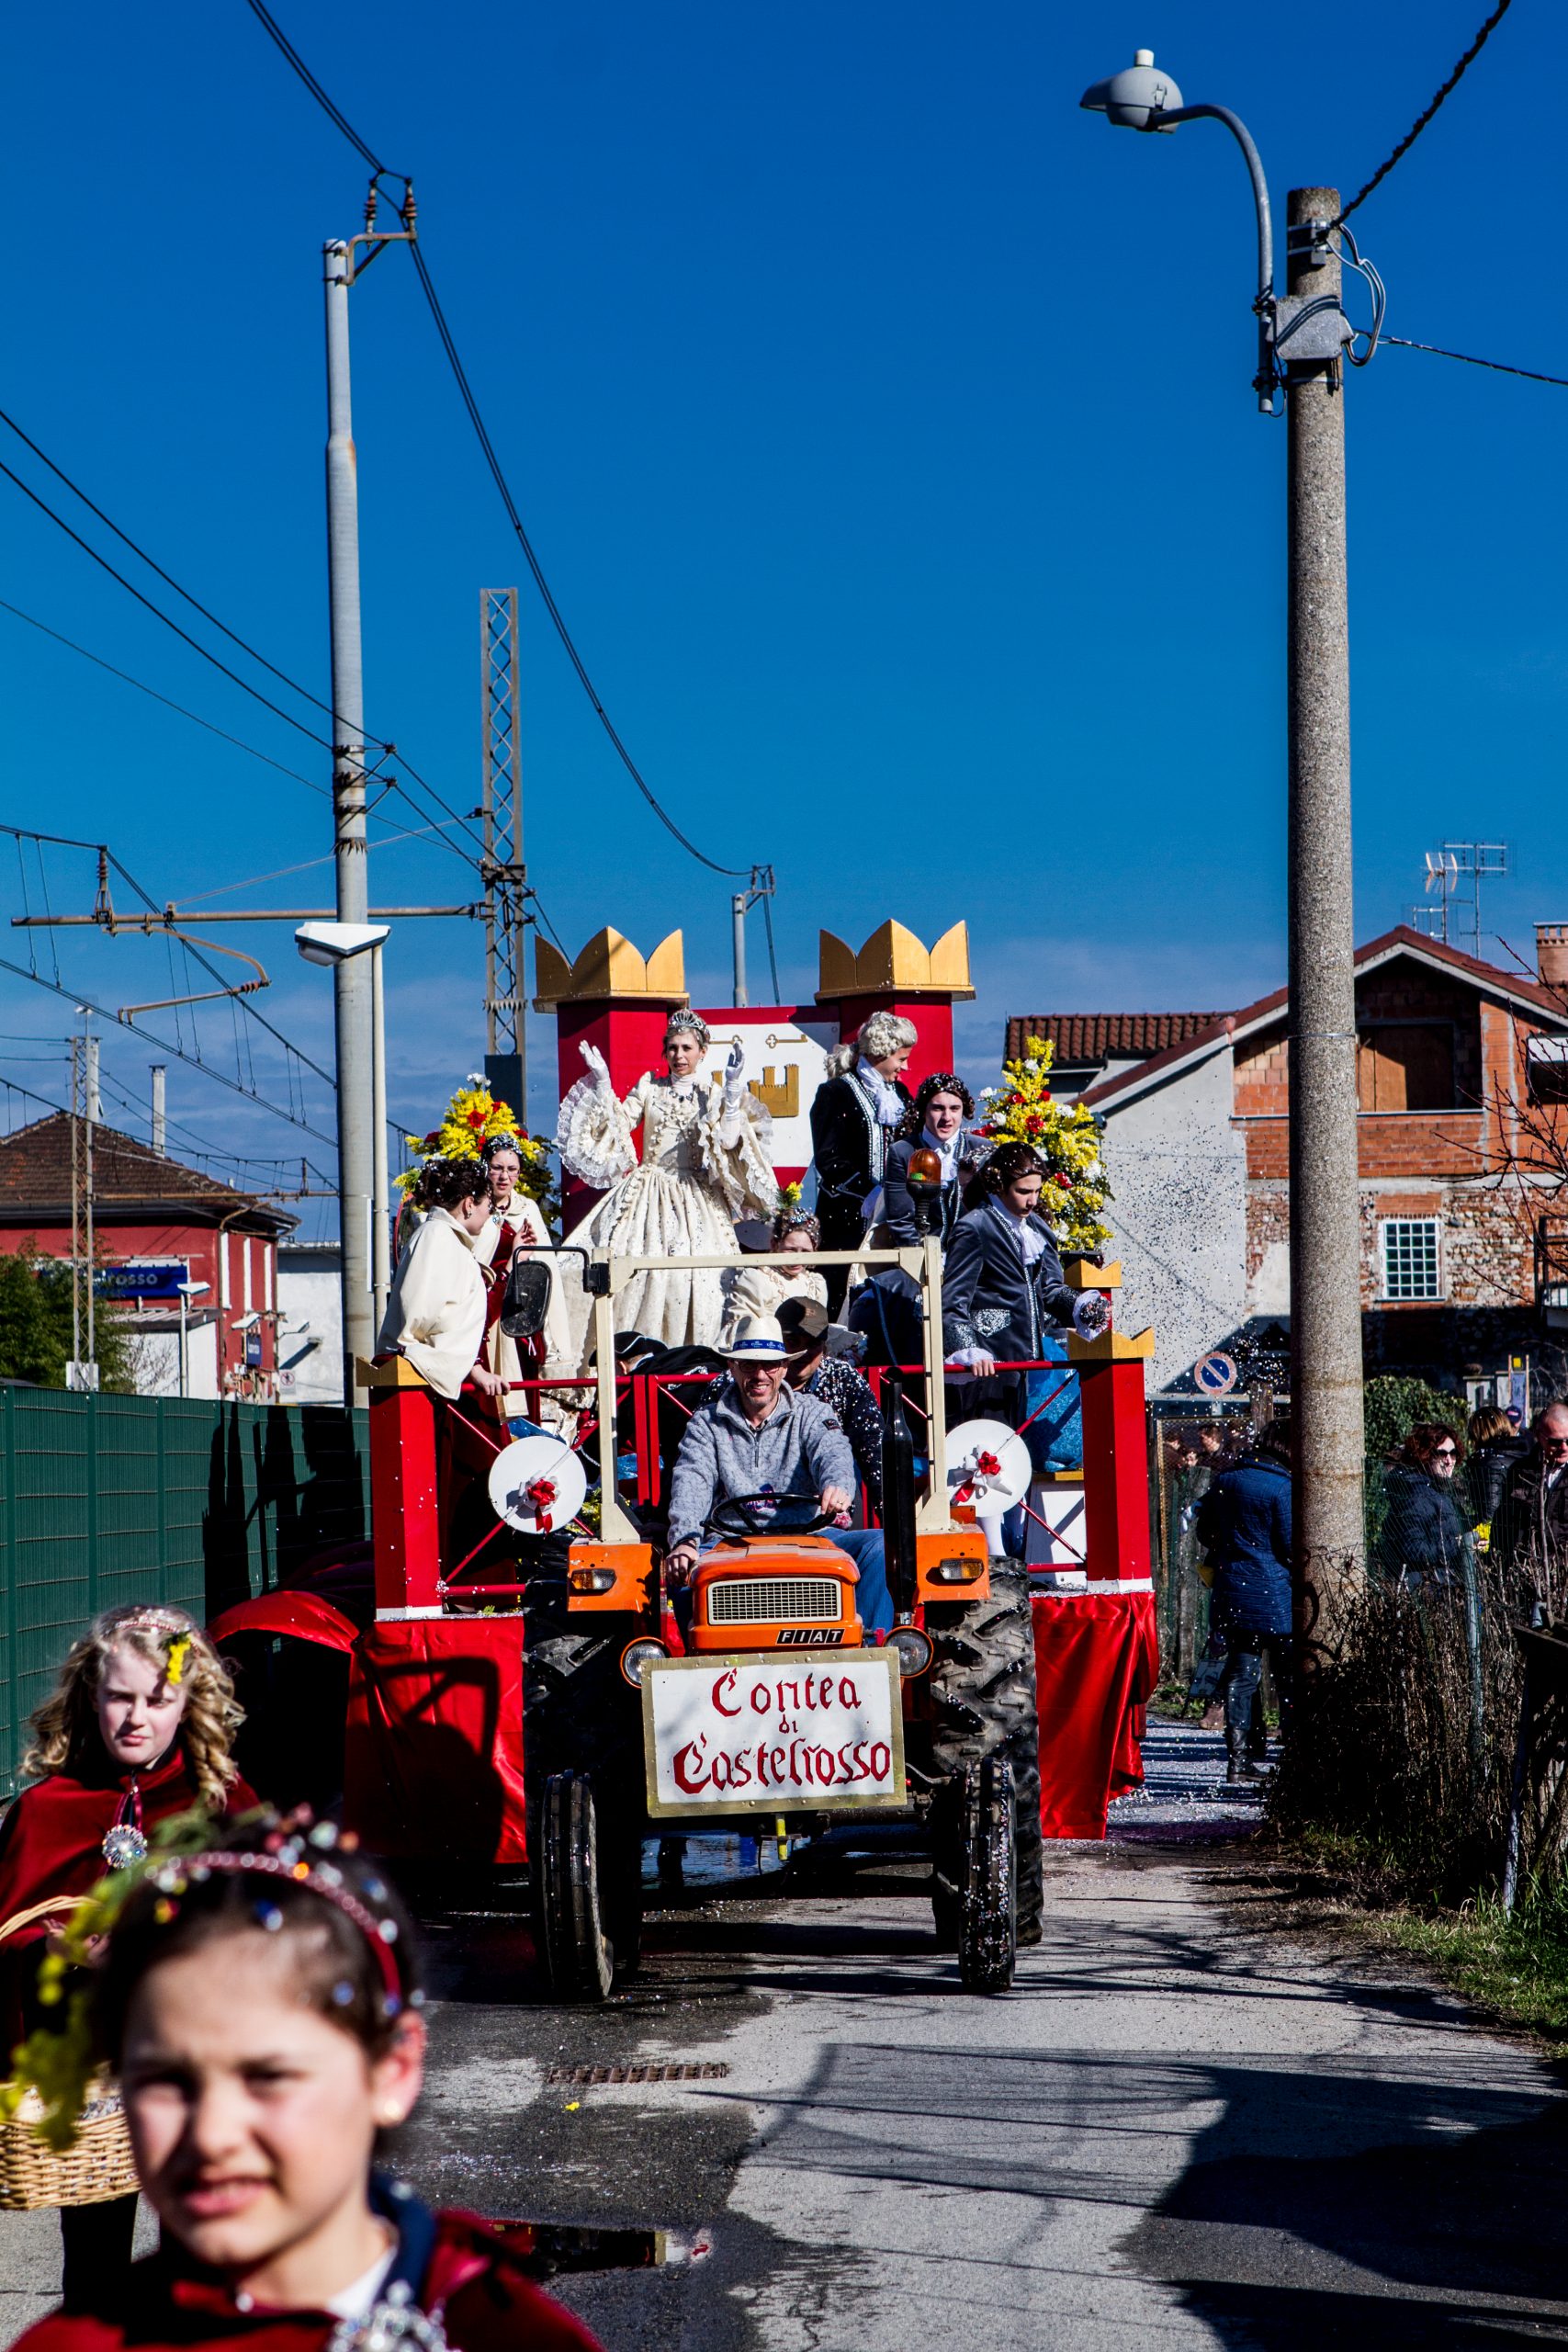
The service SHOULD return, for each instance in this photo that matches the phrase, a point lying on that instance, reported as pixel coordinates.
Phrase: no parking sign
(1214, 1374)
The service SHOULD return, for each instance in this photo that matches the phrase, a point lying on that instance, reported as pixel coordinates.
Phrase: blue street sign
(143, 1278)
(1214, 1374)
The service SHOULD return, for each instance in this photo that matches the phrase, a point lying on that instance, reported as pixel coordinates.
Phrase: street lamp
(336, 944)
(1144, 98)
(1303, 340)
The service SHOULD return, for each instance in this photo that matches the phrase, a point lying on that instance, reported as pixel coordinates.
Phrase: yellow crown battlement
(894, 963)
(609, 971)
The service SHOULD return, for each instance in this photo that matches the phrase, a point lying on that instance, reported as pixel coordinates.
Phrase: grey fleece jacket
(798, 1450)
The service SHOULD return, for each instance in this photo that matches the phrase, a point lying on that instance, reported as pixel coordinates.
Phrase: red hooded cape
(53, 1843)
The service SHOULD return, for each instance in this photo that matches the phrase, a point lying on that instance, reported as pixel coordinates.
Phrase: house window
(1411, 1267)
(1405, 1066)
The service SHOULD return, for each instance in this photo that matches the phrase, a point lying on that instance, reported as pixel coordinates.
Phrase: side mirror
(527, 1299)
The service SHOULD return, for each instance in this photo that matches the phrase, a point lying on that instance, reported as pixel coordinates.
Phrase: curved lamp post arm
(1165, 121)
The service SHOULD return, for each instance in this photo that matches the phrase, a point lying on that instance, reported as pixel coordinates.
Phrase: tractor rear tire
(574, 1951)
(987, 1939)
(582, 1721)
(983, 1704)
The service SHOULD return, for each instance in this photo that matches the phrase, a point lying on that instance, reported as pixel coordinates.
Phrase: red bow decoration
(539, 1496)
(988, 1466)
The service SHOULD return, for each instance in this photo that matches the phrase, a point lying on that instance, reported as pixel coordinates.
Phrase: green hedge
(106, 1500)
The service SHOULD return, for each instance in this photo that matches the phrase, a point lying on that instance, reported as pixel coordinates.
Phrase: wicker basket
(97, 2167)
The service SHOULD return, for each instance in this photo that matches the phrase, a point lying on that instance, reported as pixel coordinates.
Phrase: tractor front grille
(775, 1600)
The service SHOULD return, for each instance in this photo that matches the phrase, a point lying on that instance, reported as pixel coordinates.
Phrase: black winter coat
(1424, 1532)
(848, 1150)
(1529, 1533)
(1244, 1524)
(1486, 1474)
(898, 1201)
(990, 1299)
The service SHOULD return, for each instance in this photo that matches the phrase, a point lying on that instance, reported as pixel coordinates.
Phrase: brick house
(157, 1224)
(1458, 1248)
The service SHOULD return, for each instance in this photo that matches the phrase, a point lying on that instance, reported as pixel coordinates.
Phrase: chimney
(1552, 954)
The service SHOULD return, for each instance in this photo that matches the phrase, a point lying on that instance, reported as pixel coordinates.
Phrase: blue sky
(884, 427)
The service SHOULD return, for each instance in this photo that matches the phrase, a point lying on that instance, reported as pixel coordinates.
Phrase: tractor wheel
(582, 1723)
(983, 1699)
(574, 1949)
(987, 1937)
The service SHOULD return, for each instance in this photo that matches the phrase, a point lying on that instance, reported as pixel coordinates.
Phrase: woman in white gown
(704, 1164)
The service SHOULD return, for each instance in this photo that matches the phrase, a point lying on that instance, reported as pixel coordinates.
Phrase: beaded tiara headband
(691, 1021)
(292, 1862)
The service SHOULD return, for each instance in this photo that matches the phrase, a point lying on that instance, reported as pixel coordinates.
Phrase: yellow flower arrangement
(179, 1650)
(1065, 1139)
(471, 1117)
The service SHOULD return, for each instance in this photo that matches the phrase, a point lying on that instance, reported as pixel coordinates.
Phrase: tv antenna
(1454, 876)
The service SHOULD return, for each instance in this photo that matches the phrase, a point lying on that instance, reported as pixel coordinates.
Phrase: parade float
(508, 1633)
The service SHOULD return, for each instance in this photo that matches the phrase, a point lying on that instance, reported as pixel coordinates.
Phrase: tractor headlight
(912, 1649)
(957, 1571)
(589, 1579)
(639, 1655)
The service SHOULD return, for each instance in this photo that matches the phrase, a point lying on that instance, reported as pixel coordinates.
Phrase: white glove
(596, 1062)
(1091, 1315)
(733, 1067)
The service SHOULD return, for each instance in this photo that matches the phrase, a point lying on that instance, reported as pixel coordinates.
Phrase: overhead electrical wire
(336, 116)
(1424, 117)
(1469, 359)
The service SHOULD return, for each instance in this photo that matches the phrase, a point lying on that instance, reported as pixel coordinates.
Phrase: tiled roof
(129, 1180)
(1082, 1038)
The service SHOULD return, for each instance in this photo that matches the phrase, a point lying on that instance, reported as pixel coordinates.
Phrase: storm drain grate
(707, 2072)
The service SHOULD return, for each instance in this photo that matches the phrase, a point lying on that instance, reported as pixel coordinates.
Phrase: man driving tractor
(758, 1436)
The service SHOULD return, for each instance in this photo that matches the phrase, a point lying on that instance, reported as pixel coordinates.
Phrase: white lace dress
(704, 1164)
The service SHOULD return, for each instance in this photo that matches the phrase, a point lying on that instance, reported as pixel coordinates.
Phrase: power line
(1425, 117)
(1499, 366)
(142, 687)
(168, 579)
(156, 610)
(487, 446)
(543, 585)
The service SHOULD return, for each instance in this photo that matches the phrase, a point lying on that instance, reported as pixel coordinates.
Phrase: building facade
(190, 1264)
(1458, 1198)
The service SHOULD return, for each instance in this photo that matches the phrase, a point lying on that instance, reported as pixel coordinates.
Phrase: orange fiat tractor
(517, 1694)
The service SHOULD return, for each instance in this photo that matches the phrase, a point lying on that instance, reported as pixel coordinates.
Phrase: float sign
(772, 1733)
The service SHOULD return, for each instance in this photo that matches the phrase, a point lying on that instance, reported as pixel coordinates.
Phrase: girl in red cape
(137, 1728)
(258, 2000)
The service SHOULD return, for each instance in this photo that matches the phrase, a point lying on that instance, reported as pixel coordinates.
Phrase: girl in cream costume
(704, 1164)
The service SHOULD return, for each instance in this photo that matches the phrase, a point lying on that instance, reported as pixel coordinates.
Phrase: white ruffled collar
(890, 1104)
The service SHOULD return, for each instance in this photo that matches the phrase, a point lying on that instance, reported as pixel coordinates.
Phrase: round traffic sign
(1215, 1374)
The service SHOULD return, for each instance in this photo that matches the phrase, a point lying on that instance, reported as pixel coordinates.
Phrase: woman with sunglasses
(1425, 1528)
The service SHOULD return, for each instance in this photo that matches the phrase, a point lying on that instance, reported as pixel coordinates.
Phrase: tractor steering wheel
(727, 1517)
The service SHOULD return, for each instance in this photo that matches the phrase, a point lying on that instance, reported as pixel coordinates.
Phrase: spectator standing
(1531, 1533)
(1243, 1523)
(1495, 1445)
(1424, 1533)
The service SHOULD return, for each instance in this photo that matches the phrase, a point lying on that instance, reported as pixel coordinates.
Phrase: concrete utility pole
(351, 978)
(1325, 1226)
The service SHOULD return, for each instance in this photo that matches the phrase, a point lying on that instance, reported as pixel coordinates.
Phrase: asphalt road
(1172, 2130)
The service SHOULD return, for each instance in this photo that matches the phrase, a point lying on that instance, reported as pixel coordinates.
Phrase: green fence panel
(110, 1499)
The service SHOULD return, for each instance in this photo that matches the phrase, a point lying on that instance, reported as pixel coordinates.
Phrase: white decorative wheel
(537, 1484)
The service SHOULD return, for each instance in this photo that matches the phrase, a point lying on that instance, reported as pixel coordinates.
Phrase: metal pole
(1325, 1241)
(75, 1200)
(351, 981)
(738, 918)
(381, 1257)
(160, 1109)
(184, 1359)
(94, 1112)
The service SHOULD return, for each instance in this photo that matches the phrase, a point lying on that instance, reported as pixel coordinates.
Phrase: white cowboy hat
(758, 1339)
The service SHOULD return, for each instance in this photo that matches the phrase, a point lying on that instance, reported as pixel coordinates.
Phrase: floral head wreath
(170, 1628)
(59, 2059)
(687, 1021)
(473, 1124)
